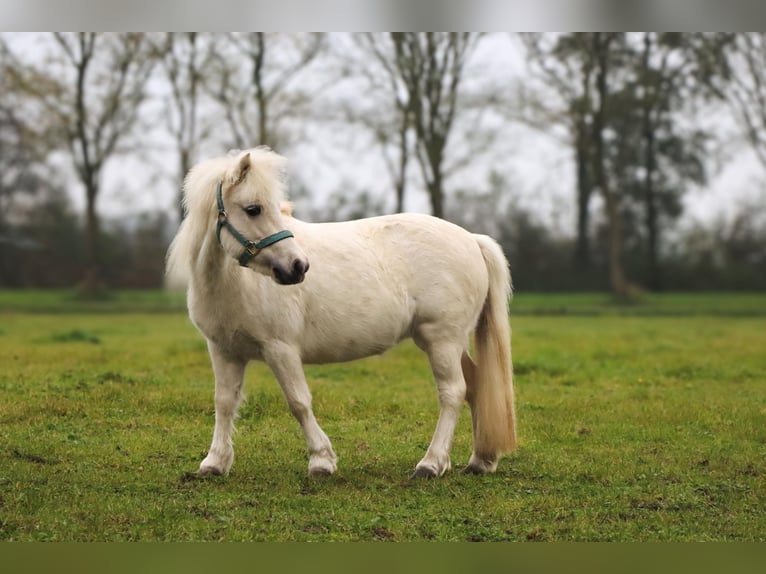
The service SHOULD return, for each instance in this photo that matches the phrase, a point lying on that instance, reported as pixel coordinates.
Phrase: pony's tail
(490, 379)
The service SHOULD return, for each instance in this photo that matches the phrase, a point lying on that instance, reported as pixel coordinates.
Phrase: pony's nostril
(300, 267)
(291, 275)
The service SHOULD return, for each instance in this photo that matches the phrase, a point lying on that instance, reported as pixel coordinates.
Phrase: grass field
(645, 422)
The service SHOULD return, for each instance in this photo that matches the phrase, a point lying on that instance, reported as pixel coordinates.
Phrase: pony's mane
(267, 169)
(267, 172)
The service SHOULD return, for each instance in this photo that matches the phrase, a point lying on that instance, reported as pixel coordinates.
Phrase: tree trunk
(260, 93)
(437, 194)
(582, 159)
(92, 284)
(401, 181)
(655, 277)
(434, 156)
(430, 157)
(617, 278)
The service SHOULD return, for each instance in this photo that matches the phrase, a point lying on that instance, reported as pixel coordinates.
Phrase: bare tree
(91, 89)
(743, 84)
(252, 78)
(183, 58)
(430, 68)
(419, 77)
(386, 113)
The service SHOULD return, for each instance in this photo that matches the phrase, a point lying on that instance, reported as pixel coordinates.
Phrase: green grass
(578, 304)
(648, 428)
(53, 301)
(745, 304)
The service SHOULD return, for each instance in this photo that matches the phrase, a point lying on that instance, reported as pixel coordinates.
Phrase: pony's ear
(239, 173)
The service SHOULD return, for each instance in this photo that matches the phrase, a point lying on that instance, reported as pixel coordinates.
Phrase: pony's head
(250, 225)
(240, 196)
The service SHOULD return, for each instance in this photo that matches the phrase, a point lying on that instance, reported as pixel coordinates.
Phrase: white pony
(372, 283)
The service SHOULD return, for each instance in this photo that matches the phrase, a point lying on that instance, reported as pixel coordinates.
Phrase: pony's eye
(253, 210)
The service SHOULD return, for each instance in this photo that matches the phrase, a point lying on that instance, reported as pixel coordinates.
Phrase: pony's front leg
(229, 375)
(285, 362)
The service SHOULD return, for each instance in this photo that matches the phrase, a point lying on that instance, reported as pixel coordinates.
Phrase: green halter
(252, 248)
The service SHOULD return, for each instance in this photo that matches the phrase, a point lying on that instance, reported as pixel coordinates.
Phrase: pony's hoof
(424, 472)
(432, 467)
(321, 467)
(216, 464)
(210, 471)
(479, 465)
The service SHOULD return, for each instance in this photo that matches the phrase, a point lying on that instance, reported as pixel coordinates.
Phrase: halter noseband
(252, 248)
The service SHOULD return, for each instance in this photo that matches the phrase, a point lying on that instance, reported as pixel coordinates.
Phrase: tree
(429, 68)
(565, 64)
(583, 67)
(259, 97)
(603, 46)
(658, 154)
(734, 68)
(653, 80)
(387, 114)
(23, 144)
(415, 98)
(91, 89)
(622, 99)
(30, 191)
(183, 58)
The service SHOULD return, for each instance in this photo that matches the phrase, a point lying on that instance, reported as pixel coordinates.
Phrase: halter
(252, 248)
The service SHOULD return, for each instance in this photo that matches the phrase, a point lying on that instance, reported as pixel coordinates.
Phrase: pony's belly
(349, 345)
(338, 355)
(352, 323)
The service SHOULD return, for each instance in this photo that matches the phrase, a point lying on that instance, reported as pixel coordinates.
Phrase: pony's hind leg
(488, 462)
(229, 375)
(287, 366)
(451, 387)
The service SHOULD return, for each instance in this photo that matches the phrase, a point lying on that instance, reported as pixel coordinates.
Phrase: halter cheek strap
(252, 248)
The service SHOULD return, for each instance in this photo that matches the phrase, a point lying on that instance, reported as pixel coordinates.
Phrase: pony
(263, 285)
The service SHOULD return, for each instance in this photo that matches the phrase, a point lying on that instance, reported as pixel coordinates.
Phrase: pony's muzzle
(295, 274)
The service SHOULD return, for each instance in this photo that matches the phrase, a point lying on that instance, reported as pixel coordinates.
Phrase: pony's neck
(213, 269)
